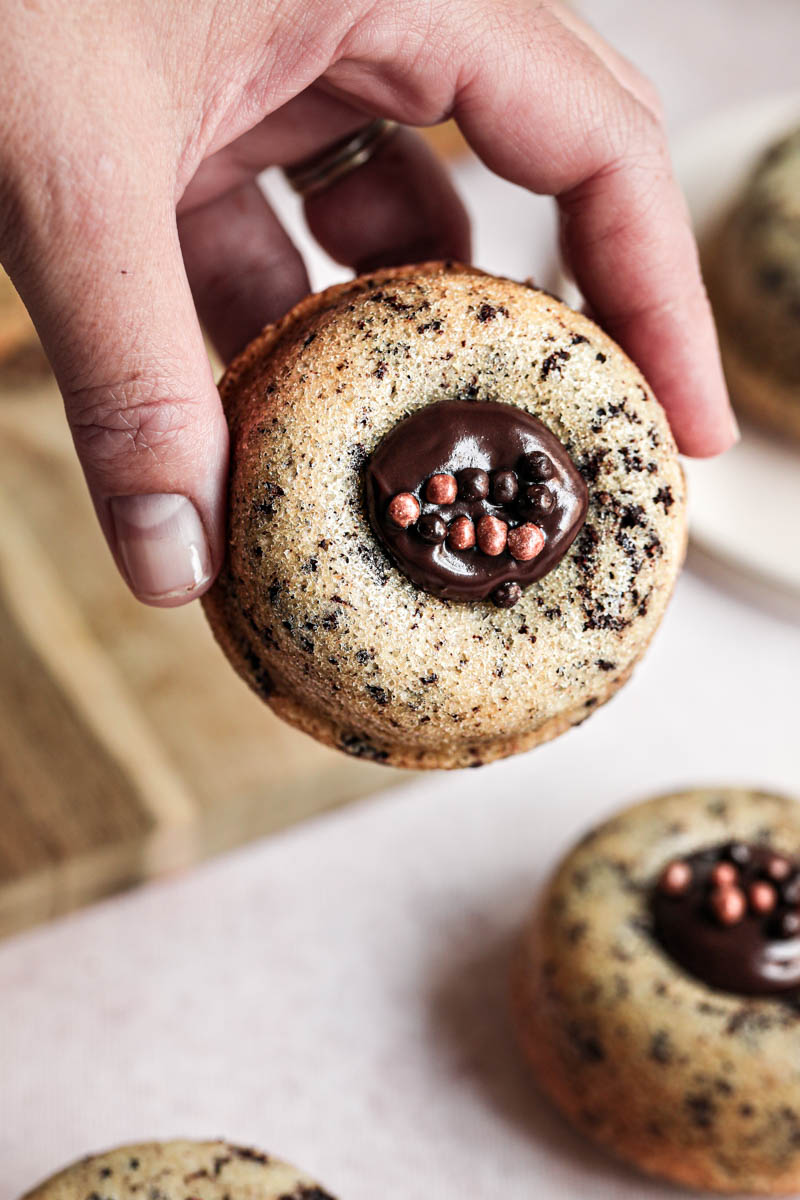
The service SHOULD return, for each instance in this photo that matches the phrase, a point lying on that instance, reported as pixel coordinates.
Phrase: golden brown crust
(312, 613)
(412, 758)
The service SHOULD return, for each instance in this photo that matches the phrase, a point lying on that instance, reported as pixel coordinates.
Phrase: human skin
(131, 136)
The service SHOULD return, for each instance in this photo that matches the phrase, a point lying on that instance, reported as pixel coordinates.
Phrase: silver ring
(320, 171)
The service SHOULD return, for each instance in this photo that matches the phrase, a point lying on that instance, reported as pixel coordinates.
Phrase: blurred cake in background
(752, 269)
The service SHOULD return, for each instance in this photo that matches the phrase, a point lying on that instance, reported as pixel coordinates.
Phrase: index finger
(577, 133)
(542, 110)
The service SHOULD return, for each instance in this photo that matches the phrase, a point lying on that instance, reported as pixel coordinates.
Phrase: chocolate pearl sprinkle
(492, 534)
(504, 487)
(787, 925)
(403, 509)
(461, 534)
(790, 891)
(538, 500)
(778, 867)
(432, 528)
(473, 483)
(728, 905)
(507, 594)
(537, 466)
(739, 853)
(675, 878)
(441, 489)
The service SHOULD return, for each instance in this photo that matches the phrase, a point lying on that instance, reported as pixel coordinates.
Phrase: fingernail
(162, 545)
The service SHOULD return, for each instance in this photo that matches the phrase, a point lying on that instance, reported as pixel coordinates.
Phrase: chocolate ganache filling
(474, 499)
(730, 915)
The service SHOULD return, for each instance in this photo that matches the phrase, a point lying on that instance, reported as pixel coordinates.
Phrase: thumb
(110, 300)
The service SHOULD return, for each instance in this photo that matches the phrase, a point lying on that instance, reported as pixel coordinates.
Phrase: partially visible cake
(752, 268)
(180, 1170)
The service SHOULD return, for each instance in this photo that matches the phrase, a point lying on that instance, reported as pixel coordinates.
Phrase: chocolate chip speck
(553, 362)
(308, 1193)
(357, 455)
(249, 1155)
(661, 1047)
(360, 747)
(487, 312)
(702, 1109)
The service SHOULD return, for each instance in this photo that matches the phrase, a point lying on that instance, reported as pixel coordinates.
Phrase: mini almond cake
(179, 1171)
(657, 989)
(752, 268)
(456, 515)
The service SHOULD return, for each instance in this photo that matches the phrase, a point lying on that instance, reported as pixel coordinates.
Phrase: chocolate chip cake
(752, 268)
(177, 1171)
(456, 515)
(657, 989)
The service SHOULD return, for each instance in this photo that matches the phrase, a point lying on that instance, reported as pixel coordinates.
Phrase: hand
(120, 113)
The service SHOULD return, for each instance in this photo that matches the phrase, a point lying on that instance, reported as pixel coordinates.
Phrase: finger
(115, 314)
(243, 269)
(400, 207)
(543, 111)
(660, 314)
(619, 66)
(297, 130)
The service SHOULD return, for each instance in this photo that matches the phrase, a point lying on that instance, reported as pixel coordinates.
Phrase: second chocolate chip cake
(456, 517)
(657, 989)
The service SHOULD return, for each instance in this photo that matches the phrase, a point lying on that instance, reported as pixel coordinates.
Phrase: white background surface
(337, 994)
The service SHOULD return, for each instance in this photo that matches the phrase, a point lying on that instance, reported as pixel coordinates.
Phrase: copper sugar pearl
(441, 489)
(404, 510)
(492, 535)
(461, 534)
(525, 542)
